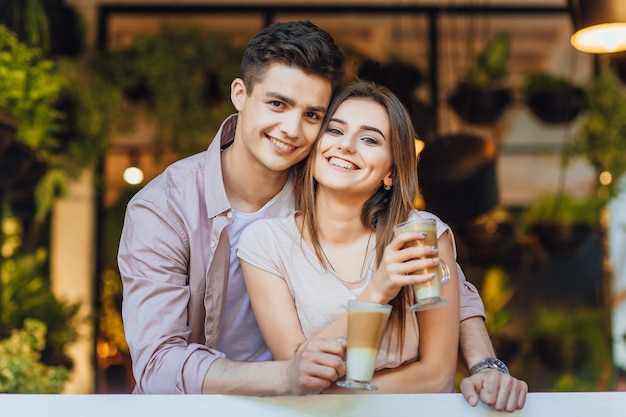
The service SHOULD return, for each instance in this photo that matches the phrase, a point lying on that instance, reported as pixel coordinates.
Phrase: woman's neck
(338, 219)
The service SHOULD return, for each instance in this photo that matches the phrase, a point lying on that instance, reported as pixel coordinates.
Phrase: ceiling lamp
(600, 25)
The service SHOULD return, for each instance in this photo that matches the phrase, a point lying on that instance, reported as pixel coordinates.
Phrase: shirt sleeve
(153, 260)
(260, 242)
(470, 301)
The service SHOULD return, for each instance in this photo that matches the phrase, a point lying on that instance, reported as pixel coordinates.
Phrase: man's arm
(493, 387)
(315, 367)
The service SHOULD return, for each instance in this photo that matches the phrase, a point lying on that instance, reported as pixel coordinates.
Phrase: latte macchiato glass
(367, 323)
(428, 294)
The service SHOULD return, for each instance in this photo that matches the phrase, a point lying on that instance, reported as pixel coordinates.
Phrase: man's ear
(238, 93)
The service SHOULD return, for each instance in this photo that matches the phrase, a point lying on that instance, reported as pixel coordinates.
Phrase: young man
(186, 312)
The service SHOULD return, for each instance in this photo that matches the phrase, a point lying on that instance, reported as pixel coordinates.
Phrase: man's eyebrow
(292, 102)
(362, 127)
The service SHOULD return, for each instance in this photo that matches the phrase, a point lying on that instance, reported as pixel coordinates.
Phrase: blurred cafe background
(522, 120)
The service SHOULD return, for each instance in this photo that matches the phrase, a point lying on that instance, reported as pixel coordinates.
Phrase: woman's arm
(275, 311)
(435, 368)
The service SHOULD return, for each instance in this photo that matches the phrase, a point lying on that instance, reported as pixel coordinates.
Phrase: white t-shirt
(320, 296)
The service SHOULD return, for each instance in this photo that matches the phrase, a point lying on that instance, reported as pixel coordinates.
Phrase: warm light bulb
(419, 146)
(605, 178)
(133, 175)
(599, 39)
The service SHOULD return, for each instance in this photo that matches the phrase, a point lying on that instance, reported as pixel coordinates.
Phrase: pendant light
(600, 25)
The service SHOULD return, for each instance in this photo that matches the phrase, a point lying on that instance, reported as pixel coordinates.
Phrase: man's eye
(313, 116)
(277, 104)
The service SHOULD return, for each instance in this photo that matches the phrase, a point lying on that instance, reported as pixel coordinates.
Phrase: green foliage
(545, 82)
(180, 79)
(578, 338)
(25, 293)
(496, 293)
(21, 370)
(29, 87)
(562, 208)
(491, 62)
(602, 137)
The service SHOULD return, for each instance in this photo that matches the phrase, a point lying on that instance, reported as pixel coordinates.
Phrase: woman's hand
(401, 265)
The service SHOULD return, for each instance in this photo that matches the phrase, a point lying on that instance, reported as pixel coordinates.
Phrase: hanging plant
(553, 99)
(561, 222)
(179, 79)
(481, 98)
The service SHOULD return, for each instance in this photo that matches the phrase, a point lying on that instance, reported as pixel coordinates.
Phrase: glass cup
(427, 294)
(367, 323)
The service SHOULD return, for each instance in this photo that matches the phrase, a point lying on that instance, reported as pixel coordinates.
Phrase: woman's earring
(387, 187)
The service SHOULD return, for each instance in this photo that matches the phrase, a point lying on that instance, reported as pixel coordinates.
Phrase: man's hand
(496, 389)
(316, 366)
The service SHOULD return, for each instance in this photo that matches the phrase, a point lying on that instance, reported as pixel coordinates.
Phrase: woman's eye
(370, 140)
(333, 130)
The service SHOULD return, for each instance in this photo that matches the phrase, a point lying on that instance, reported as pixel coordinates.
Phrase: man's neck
(249, 185)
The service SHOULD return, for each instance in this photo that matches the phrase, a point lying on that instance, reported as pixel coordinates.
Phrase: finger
(505, 400)
(490, 387)
(469, 392)
(521, 395)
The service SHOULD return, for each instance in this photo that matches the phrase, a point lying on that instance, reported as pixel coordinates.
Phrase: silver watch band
(489, 363)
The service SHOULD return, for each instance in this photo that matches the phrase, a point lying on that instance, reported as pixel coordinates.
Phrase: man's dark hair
(295, 44)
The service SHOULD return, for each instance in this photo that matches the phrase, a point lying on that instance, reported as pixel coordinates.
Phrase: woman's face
(354, 153)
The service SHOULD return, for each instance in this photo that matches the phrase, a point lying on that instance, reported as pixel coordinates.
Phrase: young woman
(300, 271)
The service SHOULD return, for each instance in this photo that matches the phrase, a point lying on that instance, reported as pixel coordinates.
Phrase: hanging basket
(480, 105)
(561, 240)
(558, 106)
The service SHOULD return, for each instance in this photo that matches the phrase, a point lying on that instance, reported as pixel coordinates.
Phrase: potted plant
(481, 97)
(561, 222)
(489, 239)
(553, 99)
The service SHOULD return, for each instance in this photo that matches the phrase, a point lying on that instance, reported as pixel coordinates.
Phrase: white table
(601, 404)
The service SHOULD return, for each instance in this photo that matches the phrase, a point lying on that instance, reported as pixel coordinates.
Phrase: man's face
(280, 119)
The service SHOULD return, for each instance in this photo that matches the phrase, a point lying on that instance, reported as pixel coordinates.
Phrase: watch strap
(489, 363)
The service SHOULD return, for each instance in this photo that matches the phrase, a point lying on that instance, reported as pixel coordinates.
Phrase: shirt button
(213, 244)
(229, 214)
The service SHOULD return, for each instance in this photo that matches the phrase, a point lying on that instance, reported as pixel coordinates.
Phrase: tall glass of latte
(366, 327)
(428, 294)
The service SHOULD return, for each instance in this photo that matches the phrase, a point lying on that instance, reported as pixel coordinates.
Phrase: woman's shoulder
(421, 214)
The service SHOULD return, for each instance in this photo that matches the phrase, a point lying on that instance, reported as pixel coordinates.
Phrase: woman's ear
(388, 180)
(238, 93)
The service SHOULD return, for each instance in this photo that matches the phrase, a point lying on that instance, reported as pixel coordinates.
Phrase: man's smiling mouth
(282, 145)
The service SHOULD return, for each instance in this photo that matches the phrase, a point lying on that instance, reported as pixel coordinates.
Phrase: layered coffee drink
(428, 294)
(367, 323)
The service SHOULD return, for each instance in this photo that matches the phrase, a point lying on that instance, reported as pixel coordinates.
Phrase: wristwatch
(489, 363)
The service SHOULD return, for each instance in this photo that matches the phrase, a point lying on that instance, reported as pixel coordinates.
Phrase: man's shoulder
(183, 174)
